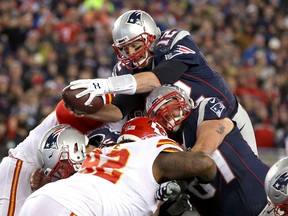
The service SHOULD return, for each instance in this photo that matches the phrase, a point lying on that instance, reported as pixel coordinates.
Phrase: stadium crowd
(45, 44)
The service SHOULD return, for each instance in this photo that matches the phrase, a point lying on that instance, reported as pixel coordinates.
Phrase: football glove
(125, 84)
(168, 191)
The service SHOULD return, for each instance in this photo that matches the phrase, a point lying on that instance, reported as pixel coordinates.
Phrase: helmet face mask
(141, 57)
(169, 105)
(140, 128)
(63, 169)
(281, 210)
(135, 25)
(62, 151)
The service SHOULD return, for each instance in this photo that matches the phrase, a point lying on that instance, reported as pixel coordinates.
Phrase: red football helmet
(141, 128)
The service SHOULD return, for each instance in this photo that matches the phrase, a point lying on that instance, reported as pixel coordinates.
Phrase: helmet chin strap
(176, 119)
(143, 63)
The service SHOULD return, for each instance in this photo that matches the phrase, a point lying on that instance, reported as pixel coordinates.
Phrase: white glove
(125, 84)
(93, 87)
(168, 191)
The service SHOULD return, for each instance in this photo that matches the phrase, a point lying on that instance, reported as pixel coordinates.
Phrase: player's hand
(182, 206)
(38, 179)
(168, 191)
(93, 87)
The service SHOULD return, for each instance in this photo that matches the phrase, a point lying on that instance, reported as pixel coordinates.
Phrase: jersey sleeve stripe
(107, 98)
(172, 146)
(172, 149)
(14, 187)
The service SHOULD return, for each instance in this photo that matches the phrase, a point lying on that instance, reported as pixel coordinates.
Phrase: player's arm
(166, 72)
(211, 133)
(38, 179)
(183, 165)
(121, 106)
(109, 113)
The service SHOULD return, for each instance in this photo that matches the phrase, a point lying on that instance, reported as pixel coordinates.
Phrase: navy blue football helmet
(102, 136)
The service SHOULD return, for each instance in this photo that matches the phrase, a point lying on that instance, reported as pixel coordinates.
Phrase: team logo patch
(281, 183)
(184, 50)
(218, 108)
(51, 142)
(135, 18)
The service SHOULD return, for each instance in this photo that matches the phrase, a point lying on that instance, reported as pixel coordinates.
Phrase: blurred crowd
(45, 44)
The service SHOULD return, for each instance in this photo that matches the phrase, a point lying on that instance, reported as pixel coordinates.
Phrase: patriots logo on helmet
(218, 108)
(281, 183)
(51, 142)
(135, 18)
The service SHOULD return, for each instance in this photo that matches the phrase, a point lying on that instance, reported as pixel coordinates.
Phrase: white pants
(245, 126)
(45, 206)
(14, 185)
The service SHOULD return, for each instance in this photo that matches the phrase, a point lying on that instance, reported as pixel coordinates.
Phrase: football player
(59, 152)
(121, 179)
(54, 163)
(149, 58)
(17, 168)
(238, 188)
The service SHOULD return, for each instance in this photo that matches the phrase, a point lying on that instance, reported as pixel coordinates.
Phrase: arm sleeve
(127, 103)
(170, 71)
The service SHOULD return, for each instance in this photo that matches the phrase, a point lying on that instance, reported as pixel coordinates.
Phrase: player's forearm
(203, 165)
(109, 113)
(210, 134)
(146, 82)
(184, 165)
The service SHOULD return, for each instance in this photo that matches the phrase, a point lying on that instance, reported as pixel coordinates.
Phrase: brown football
(77, 104)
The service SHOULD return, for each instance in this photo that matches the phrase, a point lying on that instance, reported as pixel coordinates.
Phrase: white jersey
(27, 150)
(16, 170)
(115, 180)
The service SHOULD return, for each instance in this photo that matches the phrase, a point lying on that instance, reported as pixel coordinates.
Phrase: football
(77, 104)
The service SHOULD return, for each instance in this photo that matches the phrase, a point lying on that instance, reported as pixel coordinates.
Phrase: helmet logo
(135, 18)
(281, 183)
(51, 142)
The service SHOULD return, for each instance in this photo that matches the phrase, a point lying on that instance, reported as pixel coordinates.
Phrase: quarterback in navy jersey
(238, 188)
(150, 58)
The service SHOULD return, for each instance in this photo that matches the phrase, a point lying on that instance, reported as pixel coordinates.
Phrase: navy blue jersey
(200, 80)
(238, 188)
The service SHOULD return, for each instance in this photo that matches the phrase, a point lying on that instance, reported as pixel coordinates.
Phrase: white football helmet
(62, 151)
(276, 186)
(132, 26)
(159, 97)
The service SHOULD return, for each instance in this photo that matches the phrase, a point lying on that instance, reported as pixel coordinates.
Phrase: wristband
(125, 84)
